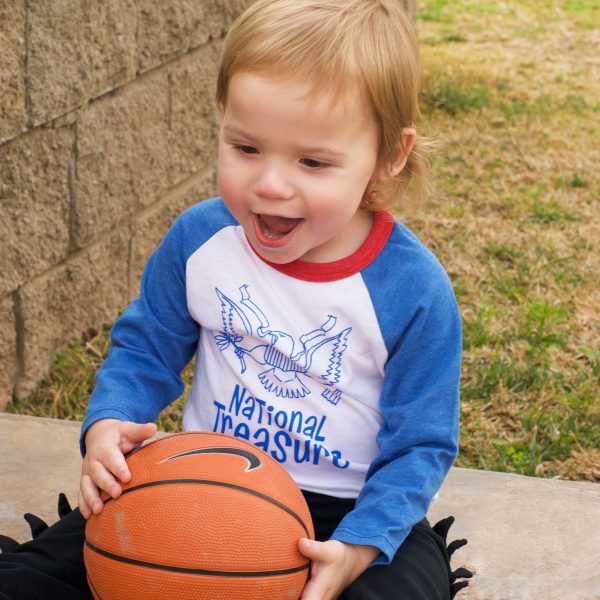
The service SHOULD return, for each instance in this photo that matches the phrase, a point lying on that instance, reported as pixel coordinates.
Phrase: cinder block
(193, 115)
(87, 290)
(34, 204)
(12, 82)
(8, 350)
(122, 156)
(169, 28)
(151, 226)
(77, 51)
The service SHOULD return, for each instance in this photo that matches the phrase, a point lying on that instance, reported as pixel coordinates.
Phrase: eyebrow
(323, 150)
(234, 130)
(330, 152)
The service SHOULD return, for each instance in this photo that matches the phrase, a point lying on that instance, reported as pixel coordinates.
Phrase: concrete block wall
(107, 132)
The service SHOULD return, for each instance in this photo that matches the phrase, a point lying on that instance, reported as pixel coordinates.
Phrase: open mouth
(274, 231)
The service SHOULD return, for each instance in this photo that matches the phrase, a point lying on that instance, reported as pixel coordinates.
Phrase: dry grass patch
(511, 97)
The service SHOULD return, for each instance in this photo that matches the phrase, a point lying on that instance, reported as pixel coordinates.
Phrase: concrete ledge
(529, 538)
(38, 459)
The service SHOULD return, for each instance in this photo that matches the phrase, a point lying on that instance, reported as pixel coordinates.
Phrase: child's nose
(273, 184)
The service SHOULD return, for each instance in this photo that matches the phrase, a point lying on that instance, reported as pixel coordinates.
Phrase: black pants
(50, 567)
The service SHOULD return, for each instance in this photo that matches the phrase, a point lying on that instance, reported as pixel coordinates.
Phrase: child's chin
(278, 258)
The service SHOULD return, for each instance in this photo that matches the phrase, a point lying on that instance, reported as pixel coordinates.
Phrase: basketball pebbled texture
(205, 515)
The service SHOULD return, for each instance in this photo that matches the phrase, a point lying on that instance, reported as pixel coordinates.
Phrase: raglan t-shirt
(346, 372)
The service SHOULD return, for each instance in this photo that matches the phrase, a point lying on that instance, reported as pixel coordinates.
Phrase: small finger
(117, 465)
(89, 497)
(84, 508)
(104, 479)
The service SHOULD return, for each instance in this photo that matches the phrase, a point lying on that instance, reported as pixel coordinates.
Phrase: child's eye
(312, 163)
(245, 149)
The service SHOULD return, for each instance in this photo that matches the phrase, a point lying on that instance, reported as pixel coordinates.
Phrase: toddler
(324, 331)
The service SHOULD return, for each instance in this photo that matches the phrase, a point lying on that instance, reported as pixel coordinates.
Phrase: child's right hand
(104, 466)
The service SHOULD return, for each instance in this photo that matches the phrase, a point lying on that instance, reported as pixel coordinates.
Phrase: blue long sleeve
(156, 336)
(418, 440)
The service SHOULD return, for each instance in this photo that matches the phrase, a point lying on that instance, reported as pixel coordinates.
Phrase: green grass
(435, 10)
(514, 109)
(515, 224)
(65, 393)
(453, 96)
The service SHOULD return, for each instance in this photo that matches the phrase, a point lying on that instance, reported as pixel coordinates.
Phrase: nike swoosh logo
(254, 462)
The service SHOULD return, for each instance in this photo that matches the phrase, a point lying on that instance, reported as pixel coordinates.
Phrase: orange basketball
(205, 516)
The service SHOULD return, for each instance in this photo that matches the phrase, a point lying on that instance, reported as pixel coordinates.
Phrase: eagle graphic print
(287, 361)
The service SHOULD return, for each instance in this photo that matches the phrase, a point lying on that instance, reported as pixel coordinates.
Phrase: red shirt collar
(383, 223)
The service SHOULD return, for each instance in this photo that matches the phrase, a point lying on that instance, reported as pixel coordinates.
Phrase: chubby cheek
(338, 209)
(226, 169)
(228, 186)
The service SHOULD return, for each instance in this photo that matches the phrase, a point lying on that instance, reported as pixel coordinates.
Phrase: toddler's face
(293, 169)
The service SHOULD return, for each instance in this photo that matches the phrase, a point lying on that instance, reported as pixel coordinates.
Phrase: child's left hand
(335, 566)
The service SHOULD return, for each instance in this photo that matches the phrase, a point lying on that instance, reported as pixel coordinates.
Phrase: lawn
(511, 101)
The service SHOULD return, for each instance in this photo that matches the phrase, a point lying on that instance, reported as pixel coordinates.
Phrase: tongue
(274, 225)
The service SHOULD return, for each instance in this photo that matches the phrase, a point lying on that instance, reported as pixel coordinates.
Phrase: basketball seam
(189, 571)
(94, 591)
(219, 484)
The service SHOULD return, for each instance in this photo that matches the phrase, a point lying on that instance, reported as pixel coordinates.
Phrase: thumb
(312, 549)
(133, 433)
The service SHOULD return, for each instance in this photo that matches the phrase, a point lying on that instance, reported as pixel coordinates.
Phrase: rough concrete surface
(39, 460)
(77, 50)
(122, 156)
(34, 204)
(529, 538)
(12, 56)
(166, 29)
(86, 290)
(193, 115)
(8, 349)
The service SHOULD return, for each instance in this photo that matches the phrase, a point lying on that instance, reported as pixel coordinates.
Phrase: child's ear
(404, 147)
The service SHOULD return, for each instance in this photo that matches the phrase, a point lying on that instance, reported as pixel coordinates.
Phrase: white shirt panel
(282, 361)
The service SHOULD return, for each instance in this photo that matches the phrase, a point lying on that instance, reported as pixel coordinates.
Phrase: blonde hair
(340, 45)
